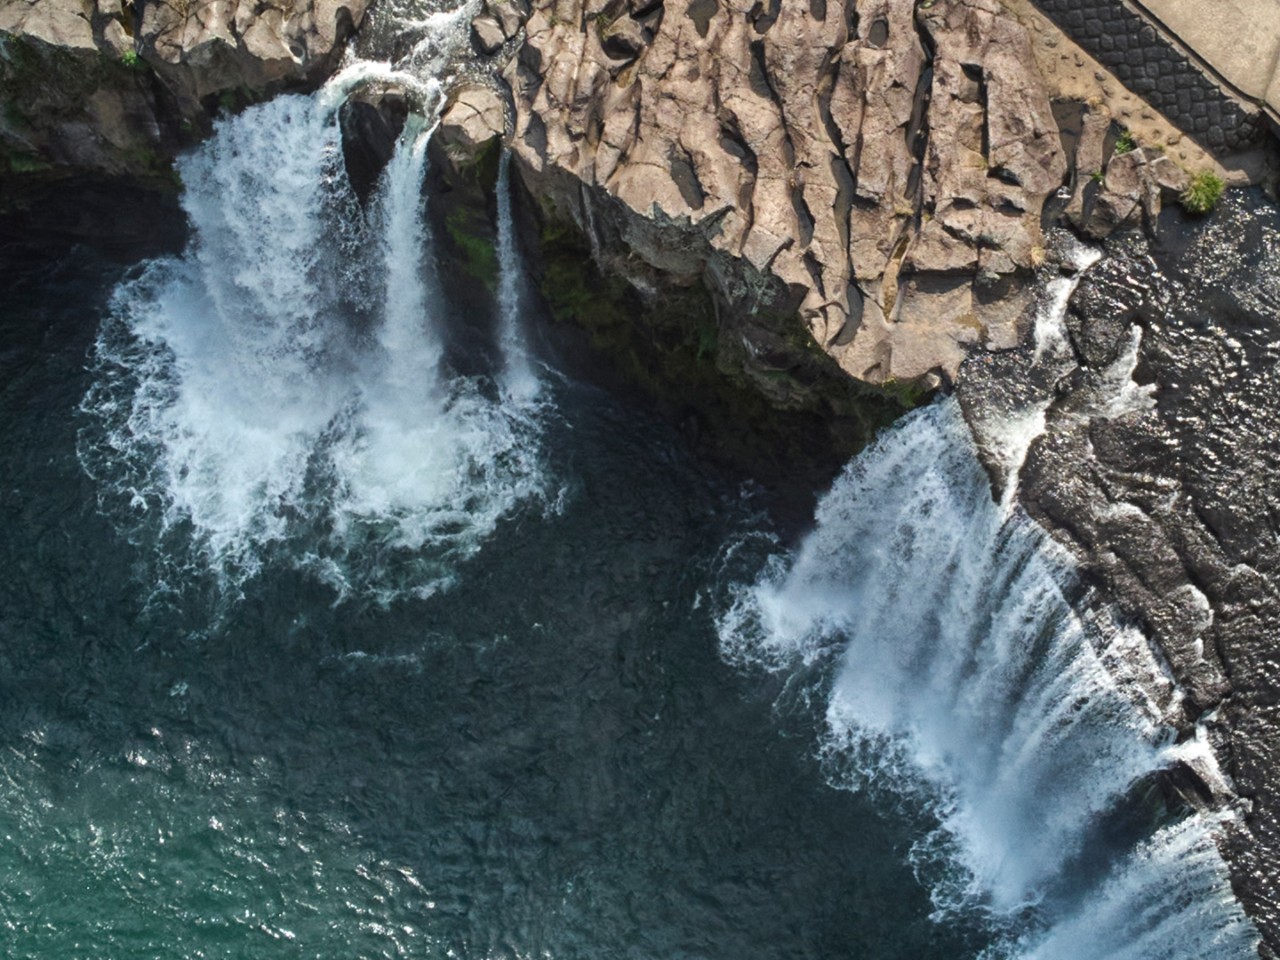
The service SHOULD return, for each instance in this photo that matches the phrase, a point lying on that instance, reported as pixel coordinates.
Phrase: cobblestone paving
(1156, 70)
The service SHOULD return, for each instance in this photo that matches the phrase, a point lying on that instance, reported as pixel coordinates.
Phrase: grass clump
(478, 256)
(1125, 143)
(20, 162)
(131, 60)
(1204, 192)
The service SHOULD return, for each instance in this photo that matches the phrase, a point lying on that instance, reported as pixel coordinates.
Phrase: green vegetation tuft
(1204, 193)
(25, 163)
(907, 395)
(479, 256)
(1126, 143)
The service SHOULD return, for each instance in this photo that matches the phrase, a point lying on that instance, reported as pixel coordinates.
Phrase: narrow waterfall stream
(323, 644)
(519, 381)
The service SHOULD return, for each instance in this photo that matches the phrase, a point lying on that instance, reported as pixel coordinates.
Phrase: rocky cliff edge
(114, 88)
(888, 162)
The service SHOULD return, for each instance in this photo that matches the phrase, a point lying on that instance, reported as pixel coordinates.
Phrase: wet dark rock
(119, 218)
(371, 123)
(1160, 468)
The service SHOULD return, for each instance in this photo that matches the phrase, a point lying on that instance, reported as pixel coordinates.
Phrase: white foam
(1171, 898)
(445, 34)
(426, 90)
(1050, 327)
(240, 396)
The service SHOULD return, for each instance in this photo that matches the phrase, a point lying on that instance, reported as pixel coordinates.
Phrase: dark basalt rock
(1173, 504)
(371, 122)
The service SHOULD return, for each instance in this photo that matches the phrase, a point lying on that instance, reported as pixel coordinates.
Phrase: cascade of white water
(245, 398)
(236, 363)
(1051, 328)
(963, 675)
(1171, 898)
(1009, 438)
(408, 334)
(518, 377)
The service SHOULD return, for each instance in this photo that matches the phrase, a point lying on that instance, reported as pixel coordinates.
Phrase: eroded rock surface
(887, 164)
(71, 100)
(204, 49)
(474, 118)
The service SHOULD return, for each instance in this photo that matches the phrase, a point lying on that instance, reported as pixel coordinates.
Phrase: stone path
(1146, 61)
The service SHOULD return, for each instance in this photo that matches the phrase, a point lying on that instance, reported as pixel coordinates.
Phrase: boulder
(624, 39)
(510, 15)
(208, 49)
(54, 24)
(474, 119)
(1131, 193)
(371, 121)
(1119, 199)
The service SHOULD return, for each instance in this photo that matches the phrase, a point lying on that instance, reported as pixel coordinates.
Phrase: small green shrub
(1204, 193)
(1125, 143)
(906, 394)
(131, 60)
(19, 162)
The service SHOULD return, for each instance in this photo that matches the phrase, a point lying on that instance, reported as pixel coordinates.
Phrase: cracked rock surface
(203, 48)
(887, 165)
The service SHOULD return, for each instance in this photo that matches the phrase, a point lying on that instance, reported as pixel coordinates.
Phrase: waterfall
(1050, 327)
(518, 377)
(283, 384)
(407, 335)
(959, 674)
(1007, 437)
(1170, 899)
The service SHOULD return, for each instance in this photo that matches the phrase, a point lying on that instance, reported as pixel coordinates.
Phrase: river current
(321, 639)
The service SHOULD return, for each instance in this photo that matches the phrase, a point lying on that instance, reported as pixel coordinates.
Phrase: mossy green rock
(752, 388)
(71, 110)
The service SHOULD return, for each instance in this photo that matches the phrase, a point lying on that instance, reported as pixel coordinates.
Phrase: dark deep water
(549, 759)
(337, 623)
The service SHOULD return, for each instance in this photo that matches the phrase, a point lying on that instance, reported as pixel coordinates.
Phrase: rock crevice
(887, 164)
